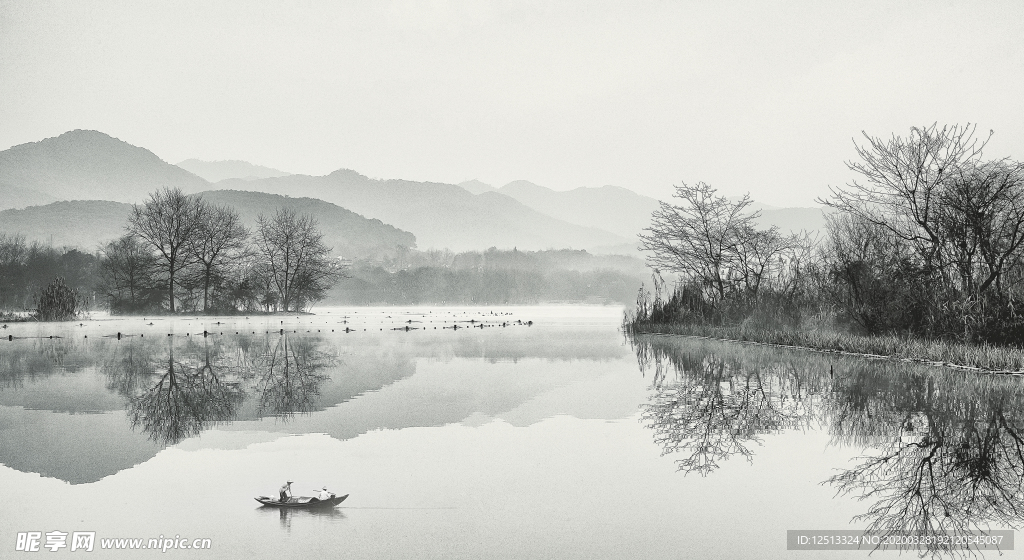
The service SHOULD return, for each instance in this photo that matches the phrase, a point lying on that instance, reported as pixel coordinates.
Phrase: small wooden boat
(301, 502)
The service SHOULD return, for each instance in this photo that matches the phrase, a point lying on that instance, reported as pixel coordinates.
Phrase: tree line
(181, 253)
(494, 276)
(927, 241)
(27, 268)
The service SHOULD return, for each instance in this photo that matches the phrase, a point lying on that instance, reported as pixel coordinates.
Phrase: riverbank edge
(978, 358)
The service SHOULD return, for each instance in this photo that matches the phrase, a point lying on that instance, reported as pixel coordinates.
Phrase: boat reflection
(944, 450)
(286, 515)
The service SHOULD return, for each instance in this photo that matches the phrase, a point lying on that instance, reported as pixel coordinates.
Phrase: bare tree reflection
(183, 397)
(714, 408)
(944, 450)
(953, 463)
(37, 358)
(289, 374)
(175, 390)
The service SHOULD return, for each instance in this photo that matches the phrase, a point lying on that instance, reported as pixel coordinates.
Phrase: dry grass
(989, 358)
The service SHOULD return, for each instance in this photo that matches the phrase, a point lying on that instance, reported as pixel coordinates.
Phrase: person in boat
(324, 495)
(286, 491)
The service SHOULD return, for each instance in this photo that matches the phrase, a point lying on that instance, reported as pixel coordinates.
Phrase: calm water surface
(560, 439)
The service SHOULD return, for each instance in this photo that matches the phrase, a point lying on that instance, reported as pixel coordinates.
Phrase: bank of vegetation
(921, 258)
(179, 254)
(491, 277)
(183, 254)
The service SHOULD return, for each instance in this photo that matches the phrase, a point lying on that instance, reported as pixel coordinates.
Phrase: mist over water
(562, 438)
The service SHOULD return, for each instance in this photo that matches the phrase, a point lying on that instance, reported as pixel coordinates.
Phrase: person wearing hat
(324, 495)
(286, 491)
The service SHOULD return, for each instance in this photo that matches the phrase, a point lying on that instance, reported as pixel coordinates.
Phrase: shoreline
(979, 358)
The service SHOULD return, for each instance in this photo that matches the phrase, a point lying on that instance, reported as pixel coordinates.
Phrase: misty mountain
(90, 165)
(347, 233)
(810, 219)
(214, 171)
(85, 224)
(17, 197)
(615, 209)
(627, 213)
(440, 215)
(794, 219)
(476, 187)
(89, 224)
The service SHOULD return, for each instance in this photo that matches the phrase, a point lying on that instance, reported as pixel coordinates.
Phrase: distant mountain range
(624, 212)
(615, 209)
(347, 233)
(85, 224)
(476, 187)
(88, 224)
(441, 215)
(89, 165)
(214, 171)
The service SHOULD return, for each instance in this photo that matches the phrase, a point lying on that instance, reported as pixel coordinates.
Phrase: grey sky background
(763, 97)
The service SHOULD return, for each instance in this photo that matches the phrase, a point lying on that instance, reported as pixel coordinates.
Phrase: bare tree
(698, 238)
(218, 244)
(903, 182)
(128, 271)
(714, 244)
(168, 222)
(953, 222)
(13, 256)
(981, 214)
(292, 256)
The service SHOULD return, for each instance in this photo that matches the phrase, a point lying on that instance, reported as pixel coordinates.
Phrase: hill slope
(90, 165)
(88, 224)
(214, 171)
(476, 187)
(615, 209)
(17, 197)
(627, 213)
(347, 233)
(441, 215)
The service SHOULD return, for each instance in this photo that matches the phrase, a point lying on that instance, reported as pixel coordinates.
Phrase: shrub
(58, 302)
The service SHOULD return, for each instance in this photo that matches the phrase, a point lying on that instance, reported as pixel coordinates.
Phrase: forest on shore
(223, 268)
(926, 244)
(179, 253)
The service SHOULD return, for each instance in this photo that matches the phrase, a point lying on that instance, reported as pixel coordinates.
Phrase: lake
(497, 432)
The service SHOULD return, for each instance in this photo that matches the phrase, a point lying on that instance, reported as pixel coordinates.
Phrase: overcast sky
(764, 96)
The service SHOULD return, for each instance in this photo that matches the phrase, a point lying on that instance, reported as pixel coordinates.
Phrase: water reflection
(289, 375)
(174, 391)
(952, 458)
(713, 408)
(180, 399)
(35, 358)
(287, 515)
(944, 450)
(142, 392)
